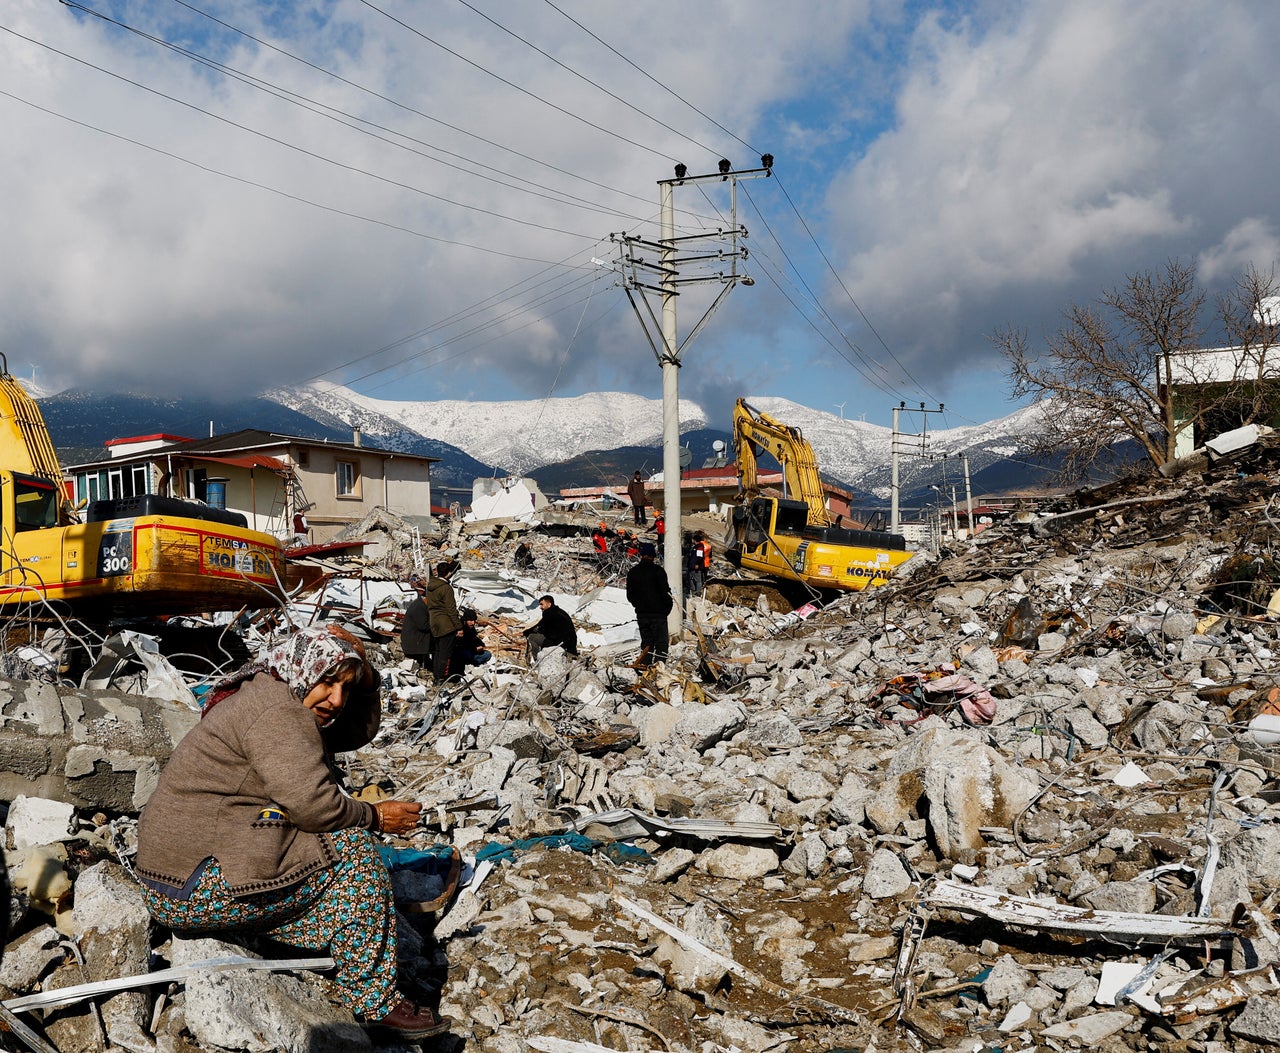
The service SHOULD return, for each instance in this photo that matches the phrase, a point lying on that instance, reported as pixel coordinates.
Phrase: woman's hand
(398, 817)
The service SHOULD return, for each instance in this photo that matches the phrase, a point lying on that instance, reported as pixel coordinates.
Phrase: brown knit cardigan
(258, 749)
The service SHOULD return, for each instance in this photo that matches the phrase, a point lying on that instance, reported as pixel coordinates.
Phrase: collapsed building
(1024, 796)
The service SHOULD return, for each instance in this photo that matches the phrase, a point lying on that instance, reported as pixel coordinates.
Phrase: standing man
(660, 528)
(699, 557)
(301, 528)
(415, 630)
(649, 592)
(555, 629)
(635, 491)
(445, 623)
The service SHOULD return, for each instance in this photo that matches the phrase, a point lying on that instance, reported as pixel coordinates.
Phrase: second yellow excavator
(793, 537)
(142, 556)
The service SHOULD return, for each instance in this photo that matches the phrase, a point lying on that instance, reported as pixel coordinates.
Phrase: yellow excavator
(793, 537)
(146, 555)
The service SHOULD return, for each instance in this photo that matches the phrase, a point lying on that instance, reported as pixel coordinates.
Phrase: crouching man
(554, 629)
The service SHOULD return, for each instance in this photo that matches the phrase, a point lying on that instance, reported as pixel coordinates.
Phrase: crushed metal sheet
(622, 824)
(1076, 921)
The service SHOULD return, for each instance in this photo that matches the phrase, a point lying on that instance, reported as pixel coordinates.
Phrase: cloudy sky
(416, 198)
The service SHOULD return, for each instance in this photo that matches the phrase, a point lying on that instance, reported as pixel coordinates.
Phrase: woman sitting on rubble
(248, 831)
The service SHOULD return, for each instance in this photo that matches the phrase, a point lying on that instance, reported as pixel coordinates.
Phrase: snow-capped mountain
(516, 436)
(562, 438)
(522, 437)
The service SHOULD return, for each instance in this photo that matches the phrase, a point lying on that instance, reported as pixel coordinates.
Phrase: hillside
(561, 442)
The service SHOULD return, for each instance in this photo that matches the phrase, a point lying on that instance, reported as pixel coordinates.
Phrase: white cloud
(1252, 242)
(986, 163)
(126, 266)
(1041, 155)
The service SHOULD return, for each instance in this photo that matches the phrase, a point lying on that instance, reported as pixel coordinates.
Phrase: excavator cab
(35, 503)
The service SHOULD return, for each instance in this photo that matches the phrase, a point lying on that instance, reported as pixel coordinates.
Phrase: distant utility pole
(662, 334)
(902, 442)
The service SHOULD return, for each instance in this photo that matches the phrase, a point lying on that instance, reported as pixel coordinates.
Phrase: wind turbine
(840, 406)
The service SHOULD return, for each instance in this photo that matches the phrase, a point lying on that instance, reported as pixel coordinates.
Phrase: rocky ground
(1023, 798)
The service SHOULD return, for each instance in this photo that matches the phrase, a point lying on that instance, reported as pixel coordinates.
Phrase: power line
(405, 107)
(472, 349)
(870, 364)
(459, 315)
(355, 169)
(269, 189)
(873, 381)
(343, 117)
(836, 275)
(490, 324)
(511, 84)
(582, 77)
(643, 72)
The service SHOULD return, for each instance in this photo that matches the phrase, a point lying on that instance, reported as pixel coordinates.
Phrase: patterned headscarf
(301, 661)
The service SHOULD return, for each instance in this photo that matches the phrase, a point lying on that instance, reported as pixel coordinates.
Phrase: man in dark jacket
(415, 630)
(555, 629)
(649, 592)
(445, 623)
(635, 491)
(468, 648)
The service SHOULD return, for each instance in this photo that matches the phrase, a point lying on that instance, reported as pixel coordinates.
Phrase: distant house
(1203, 376)
(264, 475)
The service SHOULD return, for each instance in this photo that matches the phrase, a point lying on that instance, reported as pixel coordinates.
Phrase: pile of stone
(1023, 799)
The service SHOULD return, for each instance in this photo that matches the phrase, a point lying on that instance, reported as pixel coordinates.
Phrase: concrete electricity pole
(895, 446)
(668, 348)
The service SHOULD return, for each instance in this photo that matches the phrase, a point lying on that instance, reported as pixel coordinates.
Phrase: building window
(302, 458)
(348, 475)
(90, 486)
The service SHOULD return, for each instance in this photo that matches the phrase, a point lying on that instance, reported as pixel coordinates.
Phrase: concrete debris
(1025, 797)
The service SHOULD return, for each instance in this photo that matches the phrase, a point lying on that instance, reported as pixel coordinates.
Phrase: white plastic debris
(1130, 776)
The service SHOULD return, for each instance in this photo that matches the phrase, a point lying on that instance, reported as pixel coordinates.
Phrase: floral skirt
(345, 909)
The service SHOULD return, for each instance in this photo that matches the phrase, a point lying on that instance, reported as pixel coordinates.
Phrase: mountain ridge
(566, 441)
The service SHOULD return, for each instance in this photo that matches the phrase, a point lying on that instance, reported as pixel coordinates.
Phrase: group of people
(435, 633)
(447, 641)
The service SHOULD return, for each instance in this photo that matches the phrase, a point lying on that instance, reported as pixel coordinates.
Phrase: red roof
(157, 437)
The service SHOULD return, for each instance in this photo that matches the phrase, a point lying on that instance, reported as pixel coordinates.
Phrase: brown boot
(410, 1021)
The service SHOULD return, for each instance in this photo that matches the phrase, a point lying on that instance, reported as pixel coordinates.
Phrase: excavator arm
(753, 432)
(25, 446)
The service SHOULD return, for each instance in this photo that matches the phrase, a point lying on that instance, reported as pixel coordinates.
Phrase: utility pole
(895, 525)
(968, 492)
(668, 348)
(896, 447)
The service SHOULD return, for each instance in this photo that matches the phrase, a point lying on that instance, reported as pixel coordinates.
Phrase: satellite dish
(718, 446)
(686, 457)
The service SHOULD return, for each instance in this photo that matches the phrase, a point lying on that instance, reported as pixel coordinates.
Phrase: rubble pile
(1024, 798)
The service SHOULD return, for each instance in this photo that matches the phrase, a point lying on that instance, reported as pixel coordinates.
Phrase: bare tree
(1112, 370)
